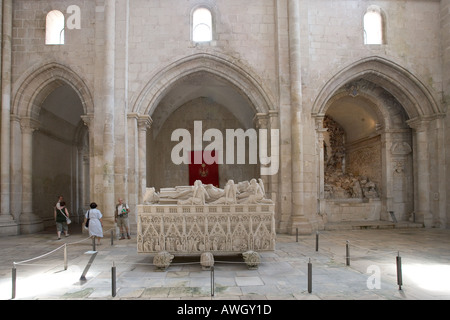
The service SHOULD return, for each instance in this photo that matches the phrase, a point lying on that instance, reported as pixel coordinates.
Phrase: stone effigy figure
(214, 192)
(242, 186)
(250, 192)
(253, 194)
(199, 195)
(229, 196)
(150, 196)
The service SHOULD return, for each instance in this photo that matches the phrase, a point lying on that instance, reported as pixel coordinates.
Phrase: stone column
(144, 124)
(133, 163)
(7, 224)
(16, 167)
(274, 184)
(29, 222)
(320, 132)
(108, 90)
(261, 121)
(86, 184)
(298, 218)
(387, 178)
(421, 172)
(90, 181)
(83, 190)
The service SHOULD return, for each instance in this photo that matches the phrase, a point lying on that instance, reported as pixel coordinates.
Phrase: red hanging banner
(206, 173)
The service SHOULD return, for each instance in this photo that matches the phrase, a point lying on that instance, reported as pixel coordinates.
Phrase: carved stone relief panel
(215, 228)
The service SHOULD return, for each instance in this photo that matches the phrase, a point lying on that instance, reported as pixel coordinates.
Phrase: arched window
(54, 27)
(373, 26)
(201, 25)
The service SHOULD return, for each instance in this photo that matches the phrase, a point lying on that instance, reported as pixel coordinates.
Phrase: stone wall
(162, 172)
(445, 39)
(291, 65)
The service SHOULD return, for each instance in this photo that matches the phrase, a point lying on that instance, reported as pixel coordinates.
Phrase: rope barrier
(62, 246)
(342, 242)
(39, 257)
(292, 260)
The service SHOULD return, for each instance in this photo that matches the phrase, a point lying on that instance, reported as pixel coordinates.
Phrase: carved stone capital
(262, 120)
(419, 124)
(133, 115)
(144, 122)
(87, 119)
(29, 125)
(318, 119)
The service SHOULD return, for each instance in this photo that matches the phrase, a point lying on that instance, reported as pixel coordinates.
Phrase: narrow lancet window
(373, 26)
(54, 27)
(202, 25)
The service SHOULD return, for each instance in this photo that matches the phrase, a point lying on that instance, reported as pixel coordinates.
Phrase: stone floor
(282, 274)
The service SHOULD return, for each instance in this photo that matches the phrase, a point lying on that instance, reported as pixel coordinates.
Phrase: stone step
(358, 225)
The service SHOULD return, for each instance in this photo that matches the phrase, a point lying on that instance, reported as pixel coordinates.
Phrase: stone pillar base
(302, 224)
(8, 227)
(30, 223)
(424, 217)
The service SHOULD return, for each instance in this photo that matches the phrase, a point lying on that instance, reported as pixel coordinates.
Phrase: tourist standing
(95, 222)
(61, 215)
(121, 218)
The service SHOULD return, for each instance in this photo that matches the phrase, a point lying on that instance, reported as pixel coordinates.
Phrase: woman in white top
(95, 222)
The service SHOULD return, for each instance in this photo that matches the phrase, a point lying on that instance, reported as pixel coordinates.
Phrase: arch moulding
(247, 82)
(40, 82)
(415, 98)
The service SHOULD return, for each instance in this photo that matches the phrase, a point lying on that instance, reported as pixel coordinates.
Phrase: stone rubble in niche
(338, 184)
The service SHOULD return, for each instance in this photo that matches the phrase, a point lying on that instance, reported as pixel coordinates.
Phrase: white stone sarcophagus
(198, 219)
(193, 229)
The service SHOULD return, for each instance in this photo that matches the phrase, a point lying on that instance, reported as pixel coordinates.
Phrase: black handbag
(87, 220)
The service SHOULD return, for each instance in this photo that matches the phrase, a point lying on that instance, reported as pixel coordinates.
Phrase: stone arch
(399, 99)
(384, 105)
(236, 74)
(33, 89)
(415, 98)
(40, 82)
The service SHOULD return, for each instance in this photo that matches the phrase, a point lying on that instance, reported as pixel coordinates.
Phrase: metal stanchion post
(91, 260)
(93, 243)
(347, 254)
(317, 241)
(309, 276)
(212, 281)
(112, 237)
(399, 272)
(14, 274)
(113, 279)
(296, 234)
(65, 256)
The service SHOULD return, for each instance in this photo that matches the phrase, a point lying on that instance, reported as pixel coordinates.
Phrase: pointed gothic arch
(40, 81)
(410, 92)
(405, 140)
(40, 132)
(226, 68)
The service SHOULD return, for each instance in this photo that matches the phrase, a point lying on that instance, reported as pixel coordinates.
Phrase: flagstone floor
(369, 273)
